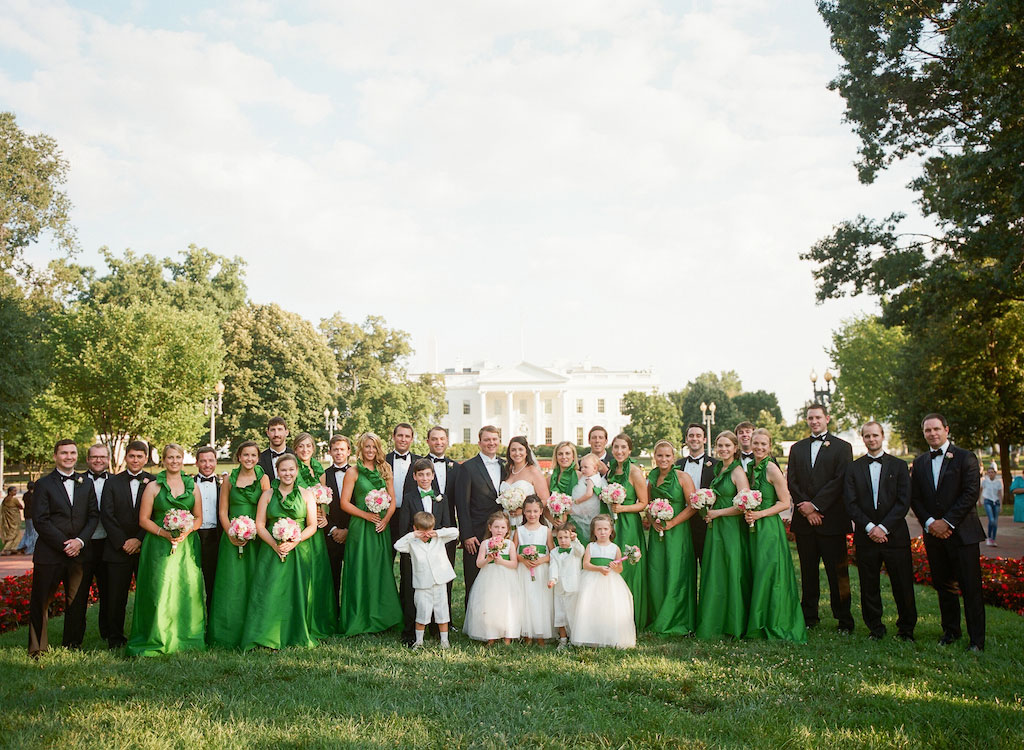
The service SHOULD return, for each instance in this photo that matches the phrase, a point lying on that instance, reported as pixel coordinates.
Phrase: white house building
(546, 404)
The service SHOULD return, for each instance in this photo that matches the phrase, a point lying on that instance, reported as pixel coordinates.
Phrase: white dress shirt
(695, 469)
(208, 490)
(936, 468)
(875, 473)
(440, 471)
(493, 467)
(69, 487)
(134, 483)
(400, 469)
(98, 483)
(815, 447)
(745, 462)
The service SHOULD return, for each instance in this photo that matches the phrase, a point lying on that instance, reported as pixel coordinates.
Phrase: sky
(624, 181)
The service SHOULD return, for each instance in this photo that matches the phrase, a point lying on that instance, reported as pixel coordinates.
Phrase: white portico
(546, 404)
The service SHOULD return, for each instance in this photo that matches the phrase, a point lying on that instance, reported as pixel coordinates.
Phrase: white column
(482, 414)
(509, 419)
(565, 418)
(538, 436)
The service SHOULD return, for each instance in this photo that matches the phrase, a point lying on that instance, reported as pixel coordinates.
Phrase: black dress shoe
(876, 636)
(844, 631)
(948, 638)
(975, 648)
(905, 637)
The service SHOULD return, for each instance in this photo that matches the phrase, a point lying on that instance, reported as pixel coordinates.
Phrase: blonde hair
(661, 443)
(559, 447)
(380, 462)
(731, 437)
(763, 431)
(593, 459)
(171, 447)
(302, 436)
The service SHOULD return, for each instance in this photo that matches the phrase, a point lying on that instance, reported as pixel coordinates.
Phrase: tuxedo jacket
(267, 463)
(475, 498)
(216, 482)
(823, 485)
(335, 515)
(955, 497)
(707, 471)
(893, 500)
(412, 504)
(120, 515)
(57, 520)
(409, 481)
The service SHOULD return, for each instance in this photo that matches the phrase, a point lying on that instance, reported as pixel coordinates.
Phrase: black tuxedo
(95, 566)
(58, 520)
(266, 463)
(699, 530)
(956, 559)
(336, 518)
(209, 546)
(120, 514)
(822, 485)
(400, 492)
(475, 499)
(891, 514)
(412, 504)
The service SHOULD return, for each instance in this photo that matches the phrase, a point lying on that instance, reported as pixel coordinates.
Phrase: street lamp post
(214, 406)
(708, 414)
(330, 420)
(822, 395)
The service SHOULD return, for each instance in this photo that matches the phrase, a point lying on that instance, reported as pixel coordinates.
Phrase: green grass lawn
(368, 692)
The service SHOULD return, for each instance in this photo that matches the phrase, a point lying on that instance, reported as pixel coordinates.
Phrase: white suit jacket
(430, 564)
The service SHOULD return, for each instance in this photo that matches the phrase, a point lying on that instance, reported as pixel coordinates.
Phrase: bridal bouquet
(614, 493)
(286, 530)
(512, 499)
(630, 553)
(242, 528)
(559, 504)
(661, 509)
(703, 500)
(529, 552)
(748, 500)
(176, 521)
(378, 501)
(321, 495)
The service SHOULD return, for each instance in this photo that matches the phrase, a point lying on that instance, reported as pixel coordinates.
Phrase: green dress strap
(563, 480)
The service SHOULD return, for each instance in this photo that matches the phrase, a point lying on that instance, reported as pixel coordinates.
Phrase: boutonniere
(438, 498)
(826, 443)
(79, 479)
(949, 454)
(145, 480)
(708, 462)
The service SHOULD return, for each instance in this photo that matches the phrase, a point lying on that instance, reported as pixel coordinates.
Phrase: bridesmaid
(671, 569)
(774, 601)
(236, 560)
(564, 476)
(325, 608)
(369, 597)
(169, 612)
(725, 576)
(629, 525)
(279, 603)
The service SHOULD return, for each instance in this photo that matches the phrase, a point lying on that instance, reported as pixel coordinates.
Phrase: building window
(548, 406)
(579, 406)
(579, 436)
(465, 407)
(467, 435)
(600, 406)
(547, 436)
(497, 408)
(622, 406)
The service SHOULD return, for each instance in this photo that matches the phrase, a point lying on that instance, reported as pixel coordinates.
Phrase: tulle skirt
(495, 605)
(604, 612)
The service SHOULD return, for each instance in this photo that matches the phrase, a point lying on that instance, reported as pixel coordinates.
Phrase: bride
(522, 471)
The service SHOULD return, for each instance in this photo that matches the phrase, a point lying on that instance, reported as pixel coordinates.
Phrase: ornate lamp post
(330, 420)
(708, 414)
(214, 406)
(822, 395)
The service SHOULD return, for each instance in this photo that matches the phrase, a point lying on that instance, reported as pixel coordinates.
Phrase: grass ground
(368, 692)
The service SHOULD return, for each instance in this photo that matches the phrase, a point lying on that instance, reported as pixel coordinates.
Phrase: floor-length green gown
(279, 599)
(369, 596)
(725, 576)
(235, 572)
(629, 529)
(775, 611)
(323, 606)
(169, 612)
(671, 570)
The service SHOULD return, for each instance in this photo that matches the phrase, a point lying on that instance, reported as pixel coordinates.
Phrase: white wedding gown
(526, 486)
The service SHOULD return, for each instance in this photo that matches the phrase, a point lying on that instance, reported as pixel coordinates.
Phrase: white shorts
(432, 601)
(565, 607)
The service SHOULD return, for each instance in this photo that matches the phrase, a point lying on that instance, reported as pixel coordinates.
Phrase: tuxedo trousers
(209, 549)
(46, 577)
(698, 530)
(469, 572)
(119, 582)
(900, 567)
(94, 567)
(953, 563)
(335, 556)
(830, 551)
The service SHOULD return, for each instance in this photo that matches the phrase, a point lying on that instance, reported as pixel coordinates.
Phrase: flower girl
(564, 578)
(533, 547)
(494, 609)
(604, 606)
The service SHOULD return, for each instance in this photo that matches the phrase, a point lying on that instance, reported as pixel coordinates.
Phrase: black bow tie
(135, 477)
(400, 457)
(692, 460)
(819, 437)
(66, 477)
(875, 459)
(201, 478)
(936, 453)
(342, 469)
(101, 475)
(746, 455)
(437, 460)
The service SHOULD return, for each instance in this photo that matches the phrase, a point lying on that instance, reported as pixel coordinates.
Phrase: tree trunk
(1004, 467)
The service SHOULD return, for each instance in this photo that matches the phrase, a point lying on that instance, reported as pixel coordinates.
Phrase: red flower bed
(15, 592)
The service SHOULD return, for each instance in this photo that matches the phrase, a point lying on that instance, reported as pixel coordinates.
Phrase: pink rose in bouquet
(286, 530)
(243, 529)
(748, 500)
(631, 554)
(529, 552)
(495, 545)
(703, 500)
(176, 521)
(559, 504)
(661, 509)
(378, 501)
(321, 495)
(613, 494)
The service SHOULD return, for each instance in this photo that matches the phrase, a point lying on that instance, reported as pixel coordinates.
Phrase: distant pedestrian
(10, 522)
(992, 499)
(28, 539)
(1017, 490)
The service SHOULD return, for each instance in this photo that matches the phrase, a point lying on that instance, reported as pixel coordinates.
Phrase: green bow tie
(426, 493)
(564, 550)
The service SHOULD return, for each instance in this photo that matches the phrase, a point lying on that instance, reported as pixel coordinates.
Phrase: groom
(476, 498)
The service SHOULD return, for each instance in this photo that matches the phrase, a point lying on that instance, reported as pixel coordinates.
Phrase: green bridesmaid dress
(278, 613)
(725, 576)
(629, 529)
(169, 612)
(369, 596)
(775, 611)
(235, 572)
(564, 481)
(323, 606)
(671, 569)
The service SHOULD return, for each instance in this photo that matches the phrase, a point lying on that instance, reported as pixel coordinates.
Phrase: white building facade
(546, 404)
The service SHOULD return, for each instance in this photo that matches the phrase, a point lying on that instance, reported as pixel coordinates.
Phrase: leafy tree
(725, 411)
(749, 406)
(652, 417)
(381, 404)
(869, 358)
(26, 354)
(30, 440)
(727, 380)
(767, 420)
(364, 352)
(277, 364)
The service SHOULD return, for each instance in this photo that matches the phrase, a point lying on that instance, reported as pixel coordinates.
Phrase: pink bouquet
(559, 504)
(529, 552)
(748, 500)
(630, 553)
(661, 509)
(614, 493)
(321, 495)
(286, 530)
(378, 501)
(495, 545)
(703, 500)
(176, 521)
(242, 528)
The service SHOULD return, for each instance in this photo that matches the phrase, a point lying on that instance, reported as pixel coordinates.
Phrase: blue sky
(595, 173)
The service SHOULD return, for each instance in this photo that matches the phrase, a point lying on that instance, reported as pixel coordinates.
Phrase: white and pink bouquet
(176, 521)
(286, 530)
(631, 554)
(748, 500)
(494, 546)
(661, 509)
(613, 494)
(559, 504)
(512, 499)
(378, 501)
(242, 528)
(529, 552)
(703, 500)
(321, 495)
